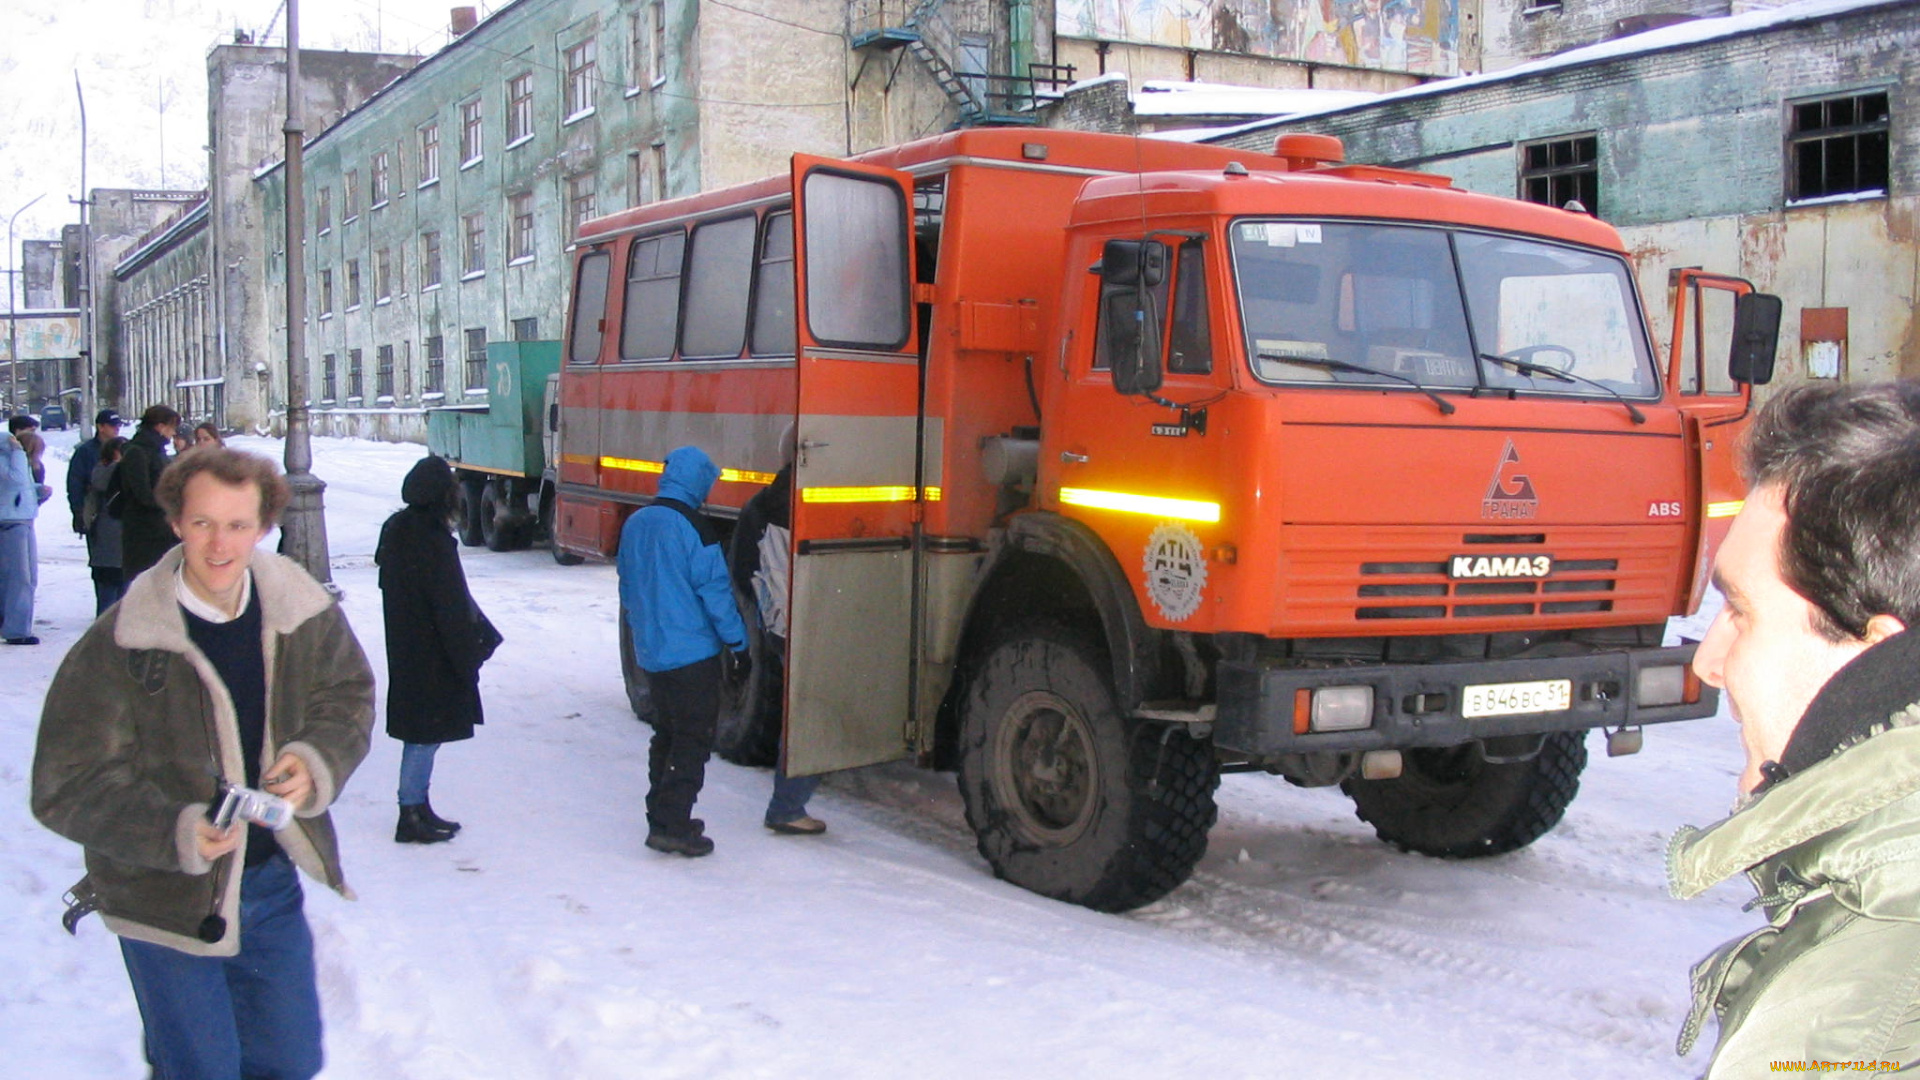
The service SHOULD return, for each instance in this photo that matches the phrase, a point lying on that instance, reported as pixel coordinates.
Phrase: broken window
(1559, 171)
(1837, 146)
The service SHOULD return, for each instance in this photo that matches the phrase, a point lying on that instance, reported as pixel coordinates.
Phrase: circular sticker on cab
(1176, 571)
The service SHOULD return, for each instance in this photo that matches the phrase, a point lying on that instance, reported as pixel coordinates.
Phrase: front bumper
(1419, 704)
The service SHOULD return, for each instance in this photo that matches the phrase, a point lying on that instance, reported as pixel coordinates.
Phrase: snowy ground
(546, 942)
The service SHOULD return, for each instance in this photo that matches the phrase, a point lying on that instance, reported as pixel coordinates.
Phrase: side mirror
(1756, 338)
(1130, 321)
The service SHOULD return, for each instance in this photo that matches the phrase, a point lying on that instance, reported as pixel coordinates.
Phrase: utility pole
(13, 324)
(303, 529)
(90, 398)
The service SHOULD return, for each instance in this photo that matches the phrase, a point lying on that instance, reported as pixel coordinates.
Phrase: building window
(436, 365)
(350, 196)
(429, 154)
(650, 175)
(353, 284)
(1838, 146)
(639, 26)
(382, 276)
(527, 329)
(471, 145)
(657, 43)
(429, 260)
(377, 180)
(326, 293)
(323, 212)
(580, 202)
(353, 375)
(383, 375)
(477, 358)
(520, 108)
(474, 249)
(328, 364)
(1559, 171)
(520, 215)
(580, 65)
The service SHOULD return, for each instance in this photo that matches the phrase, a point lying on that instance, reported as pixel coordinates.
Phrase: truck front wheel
(1453, 803)
(1066, 796)
(472, 491)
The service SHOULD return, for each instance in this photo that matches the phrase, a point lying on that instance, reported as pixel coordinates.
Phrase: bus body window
(589, 307)
(719, 269)
(773, 288)
(653, 297)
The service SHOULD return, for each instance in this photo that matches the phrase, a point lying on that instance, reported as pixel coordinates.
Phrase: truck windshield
(1338, 301)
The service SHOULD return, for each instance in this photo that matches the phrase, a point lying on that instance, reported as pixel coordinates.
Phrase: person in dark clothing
(437, 638)
(759, 560)
(686, 633)
(106, 428)
(102, 529)
(144, 532)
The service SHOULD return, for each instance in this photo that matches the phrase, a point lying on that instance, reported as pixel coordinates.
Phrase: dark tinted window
(719, 268)
(773, 296)
(652, 314)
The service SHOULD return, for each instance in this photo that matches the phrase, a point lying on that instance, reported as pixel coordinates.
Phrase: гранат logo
(1511, 494)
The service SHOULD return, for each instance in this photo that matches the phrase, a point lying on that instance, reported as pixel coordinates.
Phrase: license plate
(1508, 699)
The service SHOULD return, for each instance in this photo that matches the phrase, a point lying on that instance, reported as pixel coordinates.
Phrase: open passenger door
(1714, 404)
(857, 472)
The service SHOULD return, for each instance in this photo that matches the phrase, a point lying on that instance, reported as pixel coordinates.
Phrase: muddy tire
(639, 697)
(749, 729)
(1067, 797)
(496, 528)
(472, 490)
(1452, 803)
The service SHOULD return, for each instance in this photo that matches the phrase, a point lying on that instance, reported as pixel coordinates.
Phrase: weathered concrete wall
(120, 218)
(1517, 31)
(1146, 62)
(805, 84)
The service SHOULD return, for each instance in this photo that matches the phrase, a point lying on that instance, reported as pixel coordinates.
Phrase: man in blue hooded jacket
(686, 629)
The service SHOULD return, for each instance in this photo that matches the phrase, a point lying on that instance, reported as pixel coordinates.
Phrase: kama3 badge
(1176, 571)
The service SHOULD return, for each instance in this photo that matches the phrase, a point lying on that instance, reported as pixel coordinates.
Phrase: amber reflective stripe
(742, 476)
(1152, 505)
(881, 493)
(1725, 509)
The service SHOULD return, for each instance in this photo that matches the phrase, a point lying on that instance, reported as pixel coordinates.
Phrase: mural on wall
(41, 337)
(1399, 35)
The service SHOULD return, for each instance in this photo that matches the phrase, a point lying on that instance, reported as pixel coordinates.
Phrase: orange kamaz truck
(1123, 463)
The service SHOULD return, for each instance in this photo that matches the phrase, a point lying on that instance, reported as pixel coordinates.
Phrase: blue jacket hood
(689, 476)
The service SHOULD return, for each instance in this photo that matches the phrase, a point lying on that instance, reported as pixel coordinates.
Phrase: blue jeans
(17, 572)
(790, 795)
(416, 771)
(252, 1015)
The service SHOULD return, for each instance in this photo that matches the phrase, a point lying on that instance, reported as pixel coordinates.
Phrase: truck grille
(1573, 587)
(1335, 580)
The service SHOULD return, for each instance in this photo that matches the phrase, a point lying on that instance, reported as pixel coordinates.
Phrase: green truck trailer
(501, 448)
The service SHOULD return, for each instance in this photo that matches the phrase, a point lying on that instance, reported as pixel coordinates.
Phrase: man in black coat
(145, 534)
(106, 428)
(437, 639)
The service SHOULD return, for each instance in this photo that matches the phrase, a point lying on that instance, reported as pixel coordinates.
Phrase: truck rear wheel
(472, 488)
(1066, 796)
(1452, 803)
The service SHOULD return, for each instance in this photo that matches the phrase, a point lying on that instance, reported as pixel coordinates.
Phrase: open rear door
(850, 644)
(1713, 406)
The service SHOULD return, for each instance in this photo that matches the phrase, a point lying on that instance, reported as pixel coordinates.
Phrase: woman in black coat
(437, 639)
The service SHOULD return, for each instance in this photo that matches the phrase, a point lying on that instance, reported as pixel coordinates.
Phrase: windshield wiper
(1446, 407)
(1528, 367)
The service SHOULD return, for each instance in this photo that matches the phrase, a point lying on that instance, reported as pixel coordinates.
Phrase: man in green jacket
(223, 667)
(1821, 572)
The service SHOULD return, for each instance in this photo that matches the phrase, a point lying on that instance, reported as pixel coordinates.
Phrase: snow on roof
(1165, 98)
(1667, 37)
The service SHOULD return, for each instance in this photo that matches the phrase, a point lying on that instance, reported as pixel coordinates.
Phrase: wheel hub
(1044, 768)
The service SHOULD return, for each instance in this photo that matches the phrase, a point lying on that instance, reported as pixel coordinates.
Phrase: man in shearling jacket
(1815, 647)
(221, 665)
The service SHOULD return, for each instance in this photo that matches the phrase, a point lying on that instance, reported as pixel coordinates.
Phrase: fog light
(1342, 708)
(1664, 685)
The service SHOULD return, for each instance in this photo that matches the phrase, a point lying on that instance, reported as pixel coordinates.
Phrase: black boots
(419, 826)
(438, 822)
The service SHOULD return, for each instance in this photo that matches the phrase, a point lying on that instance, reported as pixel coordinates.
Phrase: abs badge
(1176, 571)
(1511, 493)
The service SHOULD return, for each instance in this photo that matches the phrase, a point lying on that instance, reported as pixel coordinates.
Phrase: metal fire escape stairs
(911, 34)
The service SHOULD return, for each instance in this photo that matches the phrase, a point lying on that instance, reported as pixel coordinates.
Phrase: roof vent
(463, 20)
(1302, 151)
